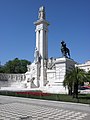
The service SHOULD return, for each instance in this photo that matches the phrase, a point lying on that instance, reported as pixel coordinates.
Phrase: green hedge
(82, 98)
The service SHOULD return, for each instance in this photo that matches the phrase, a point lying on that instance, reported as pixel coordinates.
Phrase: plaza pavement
(15, 108)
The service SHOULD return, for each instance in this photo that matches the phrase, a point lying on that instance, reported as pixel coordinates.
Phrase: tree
(1, 69)
(75, 78)
(15, 66)
(68, 82)
(88, 74)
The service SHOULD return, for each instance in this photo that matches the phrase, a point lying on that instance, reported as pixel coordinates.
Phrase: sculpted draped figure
(36, 56)
(41, 14)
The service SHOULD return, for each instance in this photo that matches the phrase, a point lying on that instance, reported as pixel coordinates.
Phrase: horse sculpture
(65, 51)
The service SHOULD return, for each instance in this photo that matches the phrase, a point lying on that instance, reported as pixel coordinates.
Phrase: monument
(46, 74)
(38, 67)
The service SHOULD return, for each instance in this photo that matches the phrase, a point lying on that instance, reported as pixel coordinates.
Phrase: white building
(85, 66)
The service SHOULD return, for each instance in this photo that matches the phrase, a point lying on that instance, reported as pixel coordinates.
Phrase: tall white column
(42, 43)
(46, 50)
(37, 39)
(42, 58)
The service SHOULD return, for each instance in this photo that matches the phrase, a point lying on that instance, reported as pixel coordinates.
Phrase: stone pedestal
(55, 77)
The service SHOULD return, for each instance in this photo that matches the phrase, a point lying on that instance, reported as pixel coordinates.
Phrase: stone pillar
(46, 44)
(37, 39)
(42, 57)
(42, 44)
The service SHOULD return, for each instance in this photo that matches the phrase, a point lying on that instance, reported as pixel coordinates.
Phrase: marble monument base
(56, 76)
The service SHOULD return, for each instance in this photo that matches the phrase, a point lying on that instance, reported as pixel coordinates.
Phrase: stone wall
(6, 80)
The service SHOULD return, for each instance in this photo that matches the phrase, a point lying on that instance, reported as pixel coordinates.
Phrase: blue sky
(69, 20)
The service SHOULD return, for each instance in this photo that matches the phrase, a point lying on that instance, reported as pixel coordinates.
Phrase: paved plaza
(15, 108)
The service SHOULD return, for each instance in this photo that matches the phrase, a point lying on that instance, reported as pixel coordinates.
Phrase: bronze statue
(65, 51)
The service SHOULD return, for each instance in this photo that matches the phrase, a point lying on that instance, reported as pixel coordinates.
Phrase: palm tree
(73, 79)
(68, 82)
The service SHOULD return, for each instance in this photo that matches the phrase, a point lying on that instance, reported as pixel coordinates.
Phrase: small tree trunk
(77, 89)
(73, 90)
(75, 93)
(70, 91)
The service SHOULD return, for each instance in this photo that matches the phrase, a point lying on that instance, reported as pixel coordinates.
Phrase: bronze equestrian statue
(65, 51)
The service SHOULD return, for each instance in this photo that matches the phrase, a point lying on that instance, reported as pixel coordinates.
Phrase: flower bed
(27, 94)
(82, 98)
(33, 93)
